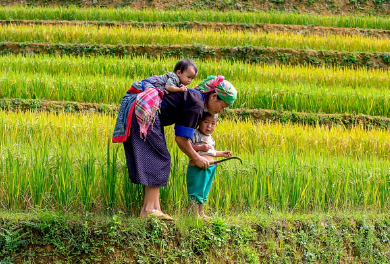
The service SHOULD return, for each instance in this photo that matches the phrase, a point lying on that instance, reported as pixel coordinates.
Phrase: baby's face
(187, 76)
(208, 125)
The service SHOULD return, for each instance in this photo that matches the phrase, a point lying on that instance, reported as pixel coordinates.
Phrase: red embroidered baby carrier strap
(147, 106)
(133, 90)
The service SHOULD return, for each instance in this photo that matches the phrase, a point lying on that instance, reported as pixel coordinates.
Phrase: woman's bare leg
(150, 196)
(157, 201)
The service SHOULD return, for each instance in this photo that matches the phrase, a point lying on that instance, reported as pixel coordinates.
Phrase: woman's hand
(202, 162)
(185, 145)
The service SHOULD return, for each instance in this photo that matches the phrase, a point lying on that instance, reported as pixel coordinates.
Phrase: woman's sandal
(159, 215)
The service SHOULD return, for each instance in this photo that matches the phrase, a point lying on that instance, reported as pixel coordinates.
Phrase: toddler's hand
(227, 153)
(183, 88)
(205, 147)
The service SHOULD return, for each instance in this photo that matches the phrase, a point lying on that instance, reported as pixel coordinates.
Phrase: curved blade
(223, 160)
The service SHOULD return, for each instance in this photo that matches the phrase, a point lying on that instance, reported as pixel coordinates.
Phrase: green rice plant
(157, 15)
(88, 181)
(64, 87)
(109, 180)
(168, 36)
(261, 115)
(307, 98)
(276, 96)
(63, 162)
(235, 71)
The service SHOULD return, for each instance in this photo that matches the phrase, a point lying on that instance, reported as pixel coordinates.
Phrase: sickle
(223, 160)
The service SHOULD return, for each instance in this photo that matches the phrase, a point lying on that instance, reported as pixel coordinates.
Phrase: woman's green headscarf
(223, 88)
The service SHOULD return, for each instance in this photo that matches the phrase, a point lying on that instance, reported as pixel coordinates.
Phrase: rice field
(300, 98)
(59, 34)
(151, 15)
(137, 67)
(104, 80)
(65, 161)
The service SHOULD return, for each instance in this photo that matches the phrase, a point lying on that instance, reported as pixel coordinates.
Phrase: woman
(148, 160)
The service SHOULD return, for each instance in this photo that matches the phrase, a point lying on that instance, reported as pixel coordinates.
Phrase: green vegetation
(247, 54)
(149, 15)
(322, 150)
(345, 120)
(237, 71)
(105, 80)
(63, 162)
(166, 36)
(252, 238)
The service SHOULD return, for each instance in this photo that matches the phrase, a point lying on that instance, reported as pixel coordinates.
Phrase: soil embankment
(248, 54)
(263, 115)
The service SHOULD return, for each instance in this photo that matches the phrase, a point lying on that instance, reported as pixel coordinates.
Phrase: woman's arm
(185, 146)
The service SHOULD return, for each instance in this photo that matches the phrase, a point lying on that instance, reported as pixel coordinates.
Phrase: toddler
(199, 180)
(183, 74)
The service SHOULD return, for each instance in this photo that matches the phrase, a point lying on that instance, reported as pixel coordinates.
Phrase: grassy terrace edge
(347, 120)
(254, 27)
(259, 238)
(248, 53)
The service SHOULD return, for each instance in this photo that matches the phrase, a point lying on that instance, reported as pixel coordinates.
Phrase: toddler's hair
(183, 65)
(207, 114)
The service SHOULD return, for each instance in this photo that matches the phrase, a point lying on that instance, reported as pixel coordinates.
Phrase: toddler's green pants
(199, 183)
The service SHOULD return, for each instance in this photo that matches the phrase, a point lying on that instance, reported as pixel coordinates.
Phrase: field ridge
(265, 115)
(249, 54)
(48, 237)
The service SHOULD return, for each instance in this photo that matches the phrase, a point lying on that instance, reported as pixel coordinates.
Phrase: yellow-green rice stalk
(64, 162)
(167, 36)
(158, 15)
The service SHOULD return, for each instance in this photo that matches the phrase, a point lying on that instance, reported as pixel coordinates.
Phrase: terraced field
(301, 89)
(311, 121)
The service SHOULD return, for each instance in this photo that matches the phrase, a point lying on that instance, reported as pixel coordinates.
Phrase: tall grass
(150, 15)
(63, 162)
(278, 96)
(235, 71)
(64, 87)
(168, 36)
